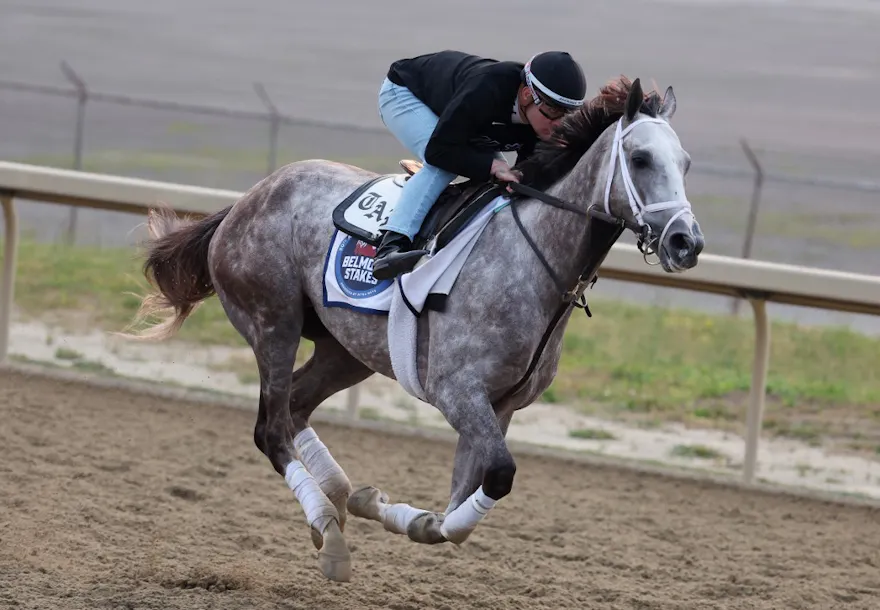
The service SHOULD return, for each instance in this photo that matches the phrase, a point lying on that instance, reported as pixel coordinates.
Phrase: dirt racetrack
(112, 499)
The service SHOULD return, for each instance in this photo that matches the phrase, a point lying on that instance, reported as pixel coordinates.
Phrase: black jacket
(474, 99)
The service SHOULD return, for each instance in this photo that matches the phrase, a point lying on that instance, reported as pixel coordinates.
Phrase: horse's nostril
(681, 243)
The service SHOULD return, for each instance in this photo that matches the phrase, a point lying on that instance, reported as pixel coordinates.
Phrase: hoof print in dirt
(208, 583)
(185, 493)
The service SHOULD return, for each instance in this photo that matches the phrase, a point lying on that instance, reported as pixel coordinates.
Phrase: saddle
(364, 212)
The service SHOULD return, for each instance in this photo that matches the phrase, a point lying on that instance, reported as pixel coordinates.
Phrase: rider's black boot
(394, 256)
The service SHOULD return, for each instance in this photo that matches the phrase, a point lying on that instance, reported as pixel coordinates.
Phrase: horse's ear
(634, 100)
(667, 109)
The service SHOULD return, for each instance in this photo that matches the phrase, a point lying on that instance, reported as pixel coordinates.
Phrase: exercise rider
(456, 112)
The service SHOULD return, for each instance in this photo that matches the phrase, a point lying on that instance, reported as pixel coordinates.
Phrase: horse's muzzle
(682, 249)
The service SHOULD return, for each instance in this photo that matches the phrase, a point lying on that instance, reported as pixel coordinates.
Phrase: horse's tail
(176, 266)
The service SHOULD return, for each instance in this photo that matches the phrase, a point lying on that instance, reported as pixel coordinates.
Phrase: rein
(603, 230)
(586, 276)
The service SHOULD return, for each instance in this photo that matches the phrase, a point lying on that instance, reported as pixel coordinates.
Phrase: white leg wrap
(318, 509)
(317, 459)
(459, 524)
(397, 517)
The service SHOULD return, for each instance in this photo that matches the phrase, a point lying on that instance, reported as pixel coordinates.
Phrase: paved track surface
(110, 499)
(799, 80)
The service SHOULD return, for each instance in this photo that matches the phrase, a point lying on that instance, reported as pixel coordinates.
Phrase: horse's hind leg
(276, 435)
(273, 328)
(330, 369)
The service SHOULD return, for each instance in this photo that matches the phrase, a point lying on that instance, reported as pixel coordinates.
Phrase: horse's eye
(641, 160)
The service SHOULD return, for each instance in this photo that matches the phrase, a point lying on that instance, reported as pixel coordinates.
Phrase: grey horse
(493, 350)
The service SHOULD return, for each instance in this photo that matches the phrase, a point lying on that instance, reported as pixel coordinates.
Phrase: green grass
(65, 353)
(652, 359)
(634, 363)
(696, 451)
(780, 219)
(97, 284)
(591, 434)
(369, 413)
(854, 230)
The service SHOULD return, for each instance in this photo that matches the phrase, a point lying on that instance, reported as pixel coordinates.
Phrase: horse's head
(645, 180)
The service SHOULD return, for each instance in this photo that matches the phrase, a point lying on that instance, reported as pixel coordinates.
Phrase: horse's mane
(577, 132)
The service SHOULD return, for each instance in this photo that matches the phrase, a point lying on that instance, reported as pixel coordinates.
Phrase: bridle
(600, 243)
(647, 242)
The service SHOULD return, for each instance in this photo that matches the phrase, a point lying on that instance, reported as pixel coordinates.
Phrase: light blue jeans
(412, 123)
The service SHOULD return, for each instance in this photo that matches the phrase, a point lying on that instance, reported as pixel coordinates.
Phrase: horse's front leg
(482, 475)
(468, 470)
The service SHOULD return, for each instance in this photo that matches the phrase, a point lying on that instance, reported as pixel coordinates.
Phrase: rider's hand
(501, 170)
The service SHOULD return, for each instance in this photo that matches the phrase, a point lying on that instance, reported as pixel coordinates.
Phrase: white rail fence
(758, 282)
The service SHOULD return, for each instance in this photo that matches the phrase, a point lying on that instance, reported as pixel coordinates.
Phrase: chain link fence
(747, 210)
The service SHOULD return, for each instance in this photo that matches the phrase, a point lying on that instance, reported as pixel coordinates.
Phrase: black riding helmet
(555, 78)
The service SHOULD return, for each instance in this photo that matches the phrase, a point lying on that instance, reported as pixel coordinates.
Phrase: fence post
(82, 96)
(274, 125)
(753, 208)
(10, 256)
(755, 413)
(351, 404)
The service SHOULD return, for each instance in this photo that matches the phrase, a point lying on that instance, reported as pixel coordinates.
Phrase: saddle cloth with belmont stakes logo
(349, 283)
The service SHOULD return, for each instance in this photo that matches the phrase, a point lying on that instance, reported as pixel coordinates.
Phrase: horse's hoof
(426, 529)
(366, 503)
(334, 558)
